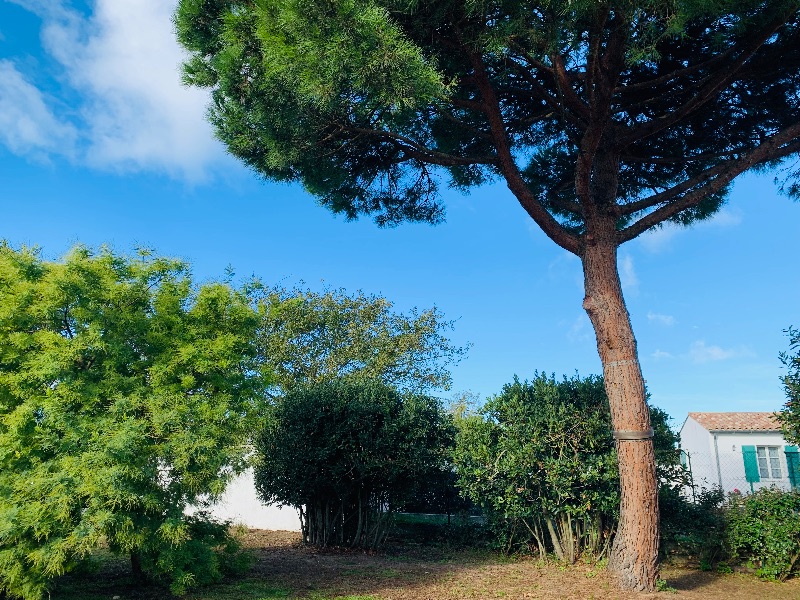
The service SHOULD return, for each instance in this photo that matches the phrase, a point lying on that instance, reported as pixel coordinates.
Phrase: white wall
(240, 504)
(699, 445)
(732, 463)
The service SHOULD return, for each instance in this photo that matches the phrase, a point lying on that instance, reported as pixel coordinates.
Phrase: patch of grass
(663, 586)
(724, 569)
(292, 572)
(123, 588)
(256, 589)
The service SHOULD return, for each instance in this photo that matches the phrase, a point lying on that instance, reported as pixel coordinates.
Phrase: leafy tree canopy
(308, 338)
(573, 102)
(126, 394)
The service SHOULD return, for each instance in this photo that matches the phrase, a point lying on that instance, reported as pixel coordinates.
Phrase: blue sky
(99, 143)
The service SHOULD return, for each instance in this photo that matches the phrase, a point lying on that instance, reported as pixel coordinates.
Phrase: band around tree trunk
(633, 435)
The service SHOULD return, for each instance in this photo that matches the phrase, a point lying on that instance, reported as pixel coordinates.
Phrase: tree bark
(634, 554)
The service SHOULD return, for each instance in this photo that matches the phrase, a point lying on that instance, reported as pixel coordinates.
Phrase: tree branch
(552, 228)
(566, 205)
(447, 115)
(571, 99)
(537, 64)
(710, 86)
(539, 92)
(780, 145)
(602, 81)
(416, 150)
(677, 160)
(464, 103)
(673, 192)
(652, 84)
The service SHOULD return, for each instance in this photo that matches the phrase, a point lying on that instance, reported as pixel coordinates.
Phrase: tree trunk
(634, 554)
(136, 566)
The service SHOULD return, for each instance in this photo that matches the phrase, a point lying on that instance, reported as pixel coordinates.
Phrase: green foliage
(669, 470)
(540, 459)
(301, 66)
(438, 494)
(205, 552)
(694, 528)
(125, 396)
(308, 338)
(790, 415)
(362, 100)
(663, 585)
(764, 527)
(347, 453)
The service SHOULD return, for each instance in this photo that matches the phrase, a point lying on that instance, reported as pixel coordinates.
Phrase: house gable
(738, 451)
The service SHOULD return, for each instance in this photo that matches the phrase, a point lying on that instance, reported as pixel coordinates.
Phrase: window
(769, 463)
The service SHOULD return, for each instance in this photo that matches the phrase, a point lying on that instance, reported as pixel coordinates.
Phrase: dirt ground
(284, 569)
(425, 573)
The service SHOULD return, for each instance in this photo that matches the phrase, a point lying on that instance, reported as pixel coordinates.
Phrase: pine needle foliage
(371, 103)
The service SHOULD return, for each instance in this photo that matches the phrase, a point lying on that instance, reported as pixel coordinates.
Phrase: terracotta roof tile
(737, 421)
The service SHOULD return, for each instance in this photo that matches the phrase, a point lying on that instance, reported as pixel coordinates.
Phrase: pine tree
(605, 119)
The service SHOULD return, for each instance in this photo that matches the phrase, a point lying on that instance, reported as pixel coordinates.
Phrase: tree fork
(634, 554)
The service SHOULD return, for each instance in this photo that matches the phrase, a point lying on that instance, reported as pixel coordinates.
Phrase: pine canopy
(644, 110)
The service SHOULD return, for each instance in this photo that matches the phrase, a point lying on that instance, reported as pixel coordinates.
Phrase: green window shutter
(750, 464)
(793, 466)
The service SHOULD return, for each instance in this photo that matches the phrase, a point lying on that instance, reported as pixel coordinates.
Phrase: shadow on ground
(285, 569)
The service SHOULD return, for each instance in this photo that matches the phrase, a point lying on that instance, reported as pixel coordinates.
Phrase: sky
(101, 144)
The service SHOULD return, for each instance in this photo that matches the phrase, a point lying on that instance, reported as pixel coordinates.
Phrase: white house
(741, 451)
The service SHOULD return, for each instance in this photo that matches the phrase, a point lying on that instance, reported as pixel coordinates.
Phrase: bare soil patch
(283, 568)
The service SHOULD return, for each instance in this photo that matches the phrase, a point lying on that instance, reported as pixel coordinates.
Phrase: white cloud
(565, 263)
(627, 274)
(27, 125)
(580, 330)
(658, 240)
(700, 353)
(124, 62)
(667, 320)
(659, 354)
(724, 218)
